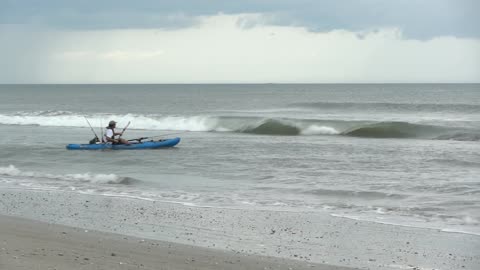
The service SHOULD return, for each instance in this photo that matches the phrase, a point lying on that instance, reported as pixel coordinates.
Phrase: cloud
(242, 48)
(418, 19)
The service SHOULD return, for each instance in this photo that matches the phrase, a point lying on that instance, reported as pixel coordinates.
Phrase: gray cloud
(227, 49)
(418, 19)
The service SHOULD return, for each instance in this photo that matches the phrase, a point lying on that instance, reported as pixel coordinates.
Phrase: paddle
(125, 128)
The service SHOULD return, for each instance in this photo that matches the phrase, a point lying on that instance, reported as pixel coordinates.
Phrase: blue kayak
(132, 146)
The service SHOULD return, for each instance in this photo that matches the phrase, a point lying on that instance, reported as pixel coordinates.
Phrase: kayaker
(110, 134)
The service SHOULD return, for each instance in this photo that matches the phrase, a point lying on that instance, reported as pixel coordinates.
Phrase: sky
(249, 41)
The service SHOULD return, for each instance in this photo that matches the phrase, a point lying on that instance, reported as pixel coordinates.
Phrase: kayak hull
(133, 146)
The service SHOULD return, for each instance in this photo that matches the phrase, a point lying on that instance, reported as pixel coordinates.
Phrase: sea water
(403, 154)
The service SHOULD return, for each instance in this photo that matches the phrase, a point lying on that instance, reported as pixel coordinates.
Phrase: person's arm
(111, 140)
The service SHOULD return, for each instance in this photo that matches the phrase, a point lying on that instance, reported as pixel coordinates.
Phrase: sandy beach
(155, 235)
(27, 244)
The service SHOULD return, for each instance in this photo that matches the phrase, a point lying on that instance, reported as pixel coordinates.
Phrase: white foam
(10, 170)
(94, 178)
(139, 121)
(149, 122)
(319, 130)
(85, 177)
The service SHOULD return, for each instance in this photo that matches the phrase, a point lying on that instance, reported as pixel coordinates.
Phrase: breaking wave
(249, 125)
(272, 127)
(70, 119)
(252, 125)
(85, 177)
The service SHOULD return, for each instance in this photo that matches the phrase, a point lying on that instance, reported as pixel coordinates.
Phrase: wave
(249, 125)
(409, 130)
(392, 130)
(252, 125)
(272, 127)
(319, 130)
(85, 177)
(44, 113)
(149, 122)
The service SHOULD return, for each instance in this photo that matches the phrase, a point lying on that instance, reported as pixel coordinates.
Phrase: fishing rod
(101, 130)
(91, 128)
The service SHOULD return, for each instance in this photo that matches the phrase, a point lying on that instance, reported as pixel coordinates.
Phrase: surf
(13, 171)
(254, 125)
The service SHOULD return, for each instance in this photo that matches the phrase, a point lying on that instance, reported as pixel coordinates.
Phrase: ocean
(400, 154)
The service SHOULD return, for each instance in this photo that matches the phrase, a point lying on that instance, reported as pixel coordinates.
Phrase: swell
(393, 130)
(250, 125)
(84, 177)
(272, 127)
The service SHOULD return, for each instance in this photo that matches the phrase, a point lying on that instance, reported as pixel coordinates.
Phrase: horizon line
(242, 83)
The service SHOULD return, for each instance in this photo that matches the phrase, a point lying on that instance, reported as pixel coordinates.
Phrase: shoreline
(306, 238)
(191, 205)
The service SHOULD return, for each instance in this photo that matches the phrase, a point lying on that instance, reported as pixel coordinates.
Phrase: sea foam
(83, 177)
(149, 122)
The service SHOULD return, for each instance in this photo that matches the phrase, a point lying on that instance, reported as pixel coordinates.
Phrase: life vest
(113, 135)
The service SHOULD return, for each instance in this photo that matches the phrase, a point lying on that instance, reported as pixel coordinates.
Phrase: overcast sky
(249, 41)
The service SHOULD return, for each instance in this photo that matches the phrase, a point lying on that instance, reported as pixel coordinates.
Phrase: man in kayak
(110, 134)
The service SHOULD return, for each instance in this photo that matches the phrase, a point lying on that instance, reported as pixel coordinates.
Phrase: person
(110, 134)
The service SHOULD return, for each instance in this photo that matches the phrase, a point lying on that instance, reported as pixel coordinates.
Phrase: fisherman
(110, 134)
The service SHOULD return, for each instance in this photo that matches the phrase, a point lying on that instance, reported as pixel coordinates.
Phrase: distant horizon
(346, 83)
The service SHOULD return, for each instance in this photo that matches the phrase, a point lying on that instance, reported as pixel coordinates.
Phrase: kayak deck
(133, 146)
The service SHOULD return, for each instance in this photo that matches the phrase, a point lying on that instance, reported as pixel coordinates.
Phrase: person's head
(112, 124)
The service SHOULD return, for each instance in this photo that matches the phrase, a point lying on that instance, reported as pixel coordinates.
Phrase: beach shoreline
(299, 239)
(29, 244)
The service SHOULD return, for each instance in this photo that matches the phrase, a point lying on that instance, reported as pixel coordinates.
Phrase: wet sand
(185, 237)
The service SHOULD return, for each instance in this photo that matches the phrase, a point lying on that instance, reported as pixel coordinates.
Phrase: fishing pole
(101, 129)
(91, 128)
